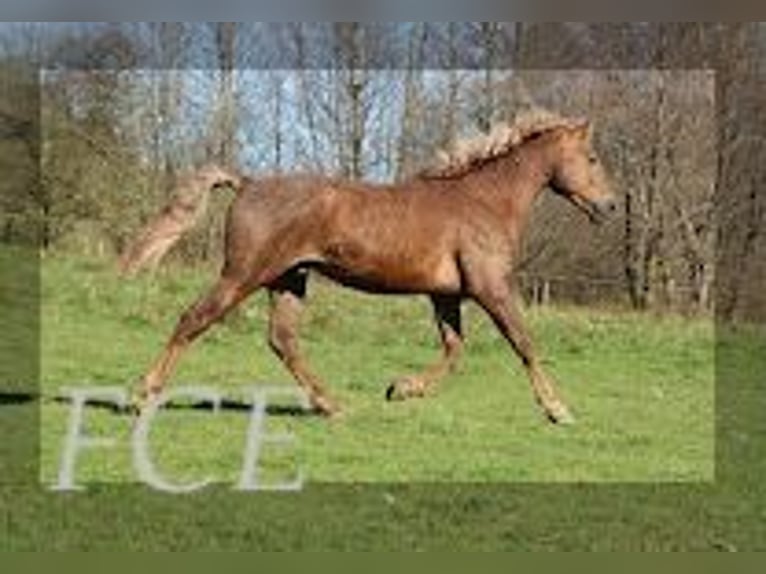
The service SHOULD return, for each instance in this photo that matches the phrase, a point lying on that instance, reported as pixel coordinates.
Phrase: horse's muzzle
(601, 210)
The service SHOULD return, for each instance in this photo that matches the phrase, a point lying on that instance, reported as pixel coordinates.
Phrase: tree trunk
(225, 128)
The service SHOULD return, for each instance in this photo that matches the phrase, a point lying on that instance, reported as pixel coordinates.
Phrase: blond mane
(466, 154)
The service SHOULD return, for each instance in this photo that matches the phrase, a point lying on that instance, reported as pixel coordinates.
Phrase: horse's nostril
(609, 206)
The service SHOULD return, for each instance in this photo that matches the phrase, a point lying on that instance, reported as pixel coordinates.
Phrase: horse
(450, 232)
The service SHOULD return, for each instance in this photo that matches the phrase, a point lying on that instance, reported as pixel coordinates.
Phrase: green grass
(641, 387)
(611, 365)
(19, 362)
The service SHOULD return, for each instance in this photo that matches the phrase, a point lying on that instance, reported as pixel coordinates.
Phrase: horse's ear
(584, 129)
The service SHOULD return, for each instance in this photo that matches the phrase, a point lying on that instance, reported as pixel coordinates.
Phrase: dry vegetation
(683, 145)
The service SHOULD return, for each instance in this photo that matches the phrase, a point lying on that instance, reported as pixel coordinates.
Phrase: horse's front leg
(496, 298)
(447, 316)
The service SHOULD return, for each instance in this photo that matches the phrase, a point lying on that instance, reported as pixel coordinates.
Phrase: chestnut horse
(451, 233)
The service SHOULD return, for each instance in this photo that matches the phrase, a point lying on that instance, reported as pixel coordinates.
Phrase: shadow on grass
(11, 399)
(225, 405)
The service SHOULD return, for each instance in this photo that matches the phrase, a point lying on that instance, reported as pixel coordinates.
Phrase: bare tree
(741, 174)
(412, 108)
(350, 54)
(224, 130)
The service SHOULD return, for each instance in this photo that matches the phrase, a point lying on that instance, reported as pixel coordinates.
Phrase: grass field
(641, 387)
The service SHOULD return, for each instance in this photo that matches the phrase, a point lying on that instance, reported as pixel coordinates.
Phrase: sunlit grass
(641, 387)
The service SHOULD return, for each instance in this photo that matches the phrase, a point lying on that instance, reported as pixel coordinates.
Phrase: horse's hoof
(394, 393)
(560, 415)
(141, 400)
(135, 405)
(131, 408)
(325, 408)
(401, 390)
(406, 388)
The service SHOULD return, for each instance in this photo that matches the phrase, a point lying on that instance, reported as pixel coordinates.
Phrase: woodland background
(97, 119)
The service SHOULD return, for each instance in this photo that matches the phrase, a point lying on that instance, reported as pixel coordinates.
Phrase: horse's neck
(513, 182)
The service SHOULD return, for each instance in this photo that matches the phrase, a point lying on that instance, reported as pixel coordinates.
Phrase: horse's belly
(394, 275)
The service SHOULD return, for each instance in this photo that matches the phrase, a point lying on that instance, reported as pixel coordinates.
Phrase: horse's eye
(593, 159)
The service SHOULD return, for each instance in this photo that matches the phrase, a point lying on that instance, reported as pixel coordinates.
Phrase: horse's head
(579, 175)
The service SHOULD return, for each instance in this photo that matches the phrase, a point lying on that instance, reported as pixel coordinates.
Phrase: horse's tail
(187, 205)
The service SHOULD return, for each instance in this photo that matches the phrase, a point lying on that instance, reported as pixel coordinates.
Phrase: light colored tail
(187, 205)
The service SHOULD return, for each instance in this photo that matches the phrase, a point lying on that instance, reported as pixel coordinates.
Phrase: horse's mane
(466, 154)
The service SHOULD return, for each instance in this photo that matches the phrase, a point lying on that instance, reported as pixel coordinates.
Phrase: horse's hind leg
(224, 296)
(287, 296)
(447, 316)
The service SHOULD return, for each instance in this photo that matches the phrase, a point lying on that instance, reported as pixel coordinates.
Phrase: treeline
(118, 110)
